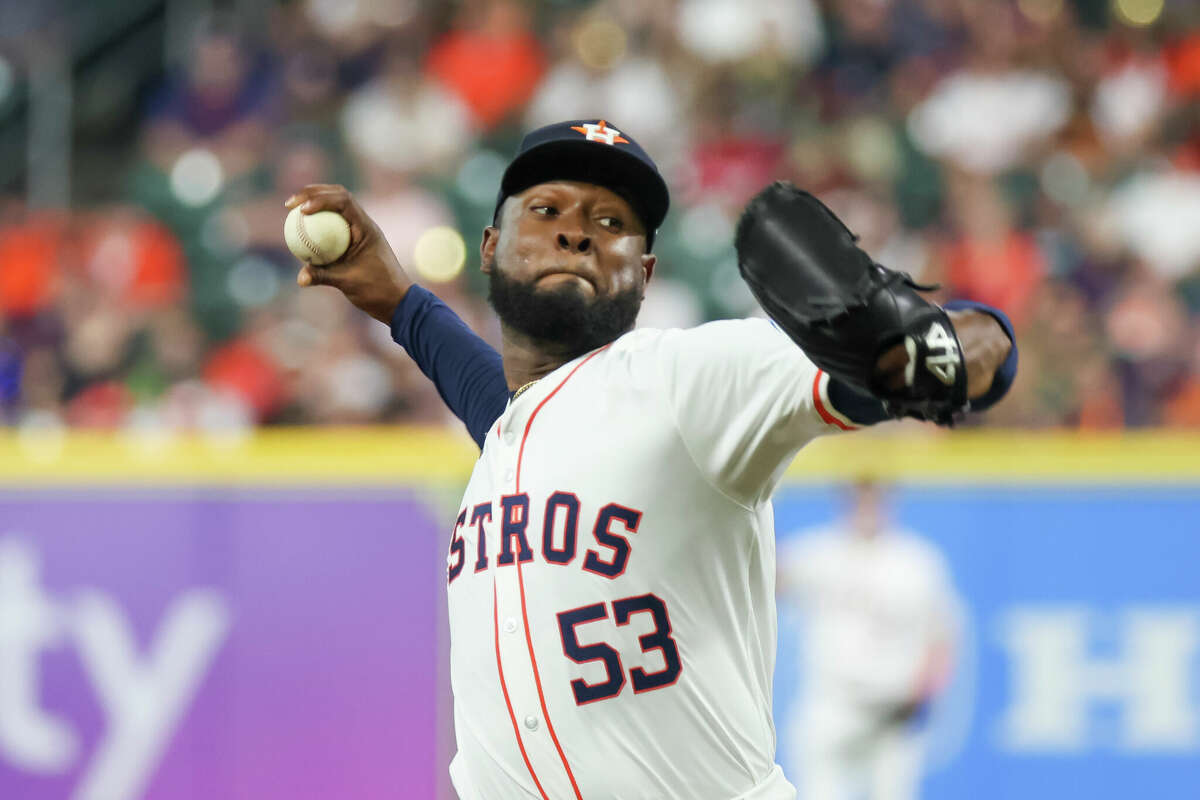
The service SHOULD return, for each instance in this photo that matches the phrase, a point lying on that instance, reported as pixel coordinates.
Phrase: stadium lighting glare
(1138, 13)
(197, 177)
(252, 282)
(601, 43)
(439, 254)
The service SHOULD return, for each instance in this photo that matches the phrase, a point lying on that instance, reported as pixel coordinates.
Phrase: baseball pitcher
(611, 568)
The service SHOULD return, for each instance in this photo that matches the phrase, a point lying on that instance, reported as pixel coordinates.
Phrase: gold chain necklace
(518, 392)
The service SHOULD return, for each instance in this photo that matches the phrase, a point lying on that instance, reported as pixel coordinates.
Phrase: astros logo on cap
(600, 132)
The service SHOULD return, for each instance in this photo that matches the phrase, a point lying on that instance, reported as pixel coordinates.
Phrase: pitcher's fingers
(301, 196)
(312, 275)
(339, 200)
(313, 190)
(326, 198)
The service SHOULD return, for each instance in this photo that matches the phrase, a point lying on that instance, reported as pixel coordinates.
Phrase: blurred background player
(878, 640)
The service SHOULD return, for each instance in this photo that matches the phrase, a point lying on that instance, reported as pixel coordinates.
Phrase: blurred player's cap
(592, 151)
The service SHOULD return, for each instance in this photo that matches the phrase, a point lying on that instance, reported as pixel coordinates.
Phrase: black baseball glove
(844, 310)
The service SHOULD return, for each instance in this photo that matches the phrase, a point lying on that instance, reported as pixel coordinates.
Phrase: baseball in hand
(319, 238)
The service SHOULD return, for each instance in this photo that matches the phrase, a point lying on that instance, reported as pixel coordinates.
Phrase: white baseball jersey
(612, 571)
(874, 609)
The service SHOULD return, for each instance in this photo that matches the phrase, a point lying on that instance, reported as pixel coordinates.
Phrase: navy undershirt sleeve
(856, 405)
(864, 409)
(467, 372)
(1007, 372)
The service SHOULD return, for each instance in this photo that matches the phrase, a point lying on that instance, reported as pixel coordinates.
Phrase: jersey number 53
(623, 610)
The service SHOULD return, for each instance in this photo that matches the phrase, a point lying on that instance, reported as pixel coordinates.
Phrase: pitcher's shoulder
(721, 333)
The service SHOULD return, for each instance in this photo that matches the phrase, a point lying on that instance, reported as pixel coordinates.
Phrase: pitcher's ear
(649, 262)
(487, 248)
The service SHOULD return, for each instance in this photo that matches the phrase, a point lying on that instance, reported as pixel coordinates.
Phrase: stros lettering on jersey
(612, 571)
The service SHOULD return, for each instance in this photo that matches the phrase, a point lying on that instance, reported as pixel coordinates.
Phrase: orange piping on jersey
(537, 678)
(829, 418)
(546, 399)
(504, 688)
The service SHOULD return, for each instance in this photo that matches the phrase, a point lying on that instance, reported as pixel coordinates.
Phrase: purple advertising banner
(179, 644)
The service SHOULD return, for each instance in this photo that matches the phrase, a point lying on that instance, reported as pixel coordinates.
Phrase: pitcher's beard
(563, 317)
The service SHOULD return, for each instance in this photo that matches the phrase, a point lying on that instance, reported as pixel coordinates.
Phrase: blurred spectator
(721, 31)
(31, 252)
(990, 114)
(402, 122)
(604, 72)
(987, 258)
(987, 122)
(1183, 406)
(244, 371)
(10, 377)
(133, 259)
(491, 59)
(1129, 99)
(221, 102)
(1155, 215)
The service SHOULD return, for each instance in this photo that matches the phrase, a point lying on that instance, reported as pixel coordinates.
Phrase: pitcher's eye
(612, 223)
(545, 211)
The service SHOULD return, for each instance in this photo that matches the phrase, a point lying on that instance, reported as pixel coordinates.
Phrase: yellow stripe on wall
(423, 456)
(313, 456)
(994, 456)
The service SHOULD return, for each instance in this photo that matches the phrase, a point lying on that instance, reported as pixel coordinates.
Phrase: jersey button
(531, 722)
(510, 437)
(508, 476)
(510, 625)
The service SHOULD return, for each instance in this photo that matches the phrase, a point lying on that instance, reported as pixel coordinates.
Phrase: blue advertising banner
(1078, 667)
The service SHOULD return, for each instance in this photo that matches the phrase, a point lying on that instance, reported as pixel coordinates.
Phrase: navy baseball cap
(592, 151)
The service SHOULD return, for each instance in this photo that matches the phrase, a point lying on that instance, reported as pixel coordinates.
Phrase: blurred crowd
(1039, 155)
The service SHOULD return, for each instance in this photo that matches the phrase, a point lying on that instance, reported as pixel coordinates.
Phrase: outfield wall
(264, 617)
